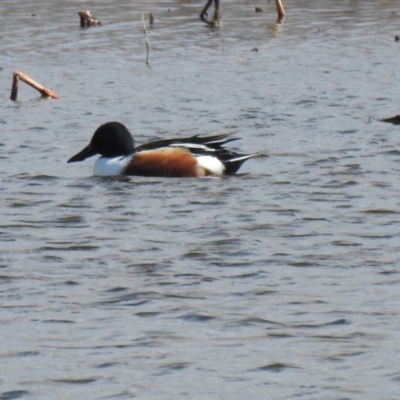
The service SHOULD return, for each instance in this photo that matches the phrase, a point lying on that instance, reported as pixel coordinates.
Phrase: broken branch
(45, 92)
(87, 19)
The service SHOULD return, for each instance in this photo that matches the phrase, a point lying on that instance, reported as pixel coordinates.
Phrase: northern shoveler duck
(193, 156)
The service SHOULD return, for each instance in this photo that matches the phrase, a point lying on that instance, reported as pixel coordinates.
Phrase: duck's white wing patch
(192, 146)
(110, 166)
(211, 164)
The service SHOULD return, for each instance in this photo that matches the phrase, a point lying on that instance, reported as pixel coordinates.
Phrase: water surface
(281, 282)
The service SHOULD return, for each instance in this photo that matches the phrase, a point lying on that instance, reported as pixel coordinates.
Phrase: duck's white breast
(110, 166)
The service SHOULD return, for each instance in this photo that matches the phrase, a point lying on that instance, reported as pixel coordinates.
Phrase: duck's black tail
(234, 161)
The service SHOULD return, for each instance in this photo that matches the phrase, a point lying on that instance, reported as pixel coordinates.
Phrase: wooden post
(25, 78)
(14, 88)
(280, 10)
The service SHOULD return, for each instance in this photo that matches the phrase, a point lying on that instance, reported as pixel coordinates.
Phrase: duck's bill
(83, 154)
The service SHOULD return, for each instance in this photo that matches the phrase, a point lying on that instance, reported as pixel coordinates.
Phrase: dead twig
(147, 41)
(45, 92)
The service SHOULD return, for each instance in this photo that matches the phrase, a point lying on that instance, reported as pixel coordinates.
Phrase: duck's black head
(110, 140)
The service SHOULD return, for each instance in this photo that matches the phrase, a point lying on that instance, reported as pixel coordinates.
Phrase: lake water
(279, 283)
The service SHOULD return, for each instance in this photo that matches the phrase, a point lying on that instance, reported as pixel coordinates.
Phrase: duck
(194, 156)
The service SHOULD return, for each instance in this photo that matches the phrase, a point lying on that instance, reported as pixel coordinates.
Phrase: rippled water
(281, 282)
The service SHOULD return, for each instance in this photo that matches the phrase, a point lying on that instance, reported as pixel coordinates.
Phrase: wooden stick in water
(87, 19)
(14, 88)
(280, 10)
(25, 78)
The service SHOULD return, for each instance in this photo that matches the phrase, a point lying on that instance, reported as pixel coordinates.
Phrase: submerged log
(45, 92)
(87, 19)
